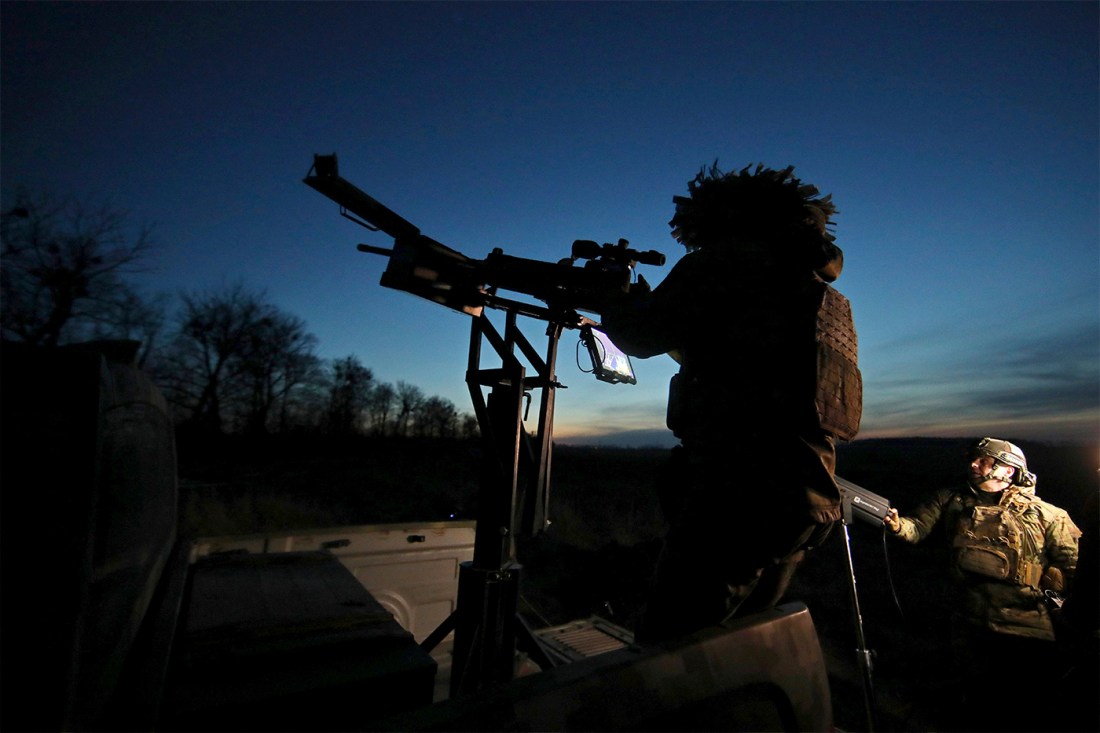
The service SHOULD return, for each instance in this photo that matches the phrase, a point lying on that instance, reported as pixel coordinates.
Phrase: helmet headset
(1008, 454)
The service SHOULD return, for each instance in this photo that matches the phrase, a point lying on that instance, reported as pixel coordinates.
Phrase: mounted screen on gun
(609, 364)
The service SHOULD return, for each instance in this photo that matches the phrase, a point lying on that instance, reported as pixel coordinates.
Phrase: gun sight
(586, 249)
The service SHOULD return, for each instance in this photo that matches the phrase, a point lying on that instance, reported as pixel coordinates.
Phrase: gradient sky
(959, 141)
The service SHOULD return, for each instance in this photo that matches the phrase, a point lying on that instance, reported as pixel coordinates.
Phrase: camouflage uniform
(1007, 549)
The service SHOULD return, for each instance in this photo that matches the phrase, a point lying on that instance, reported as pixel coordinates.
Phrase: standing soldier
(1012, 553)
(768, 382)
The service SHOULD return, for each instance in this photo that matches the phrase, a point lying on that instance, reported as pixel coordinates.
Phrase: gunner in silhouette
(768, 382)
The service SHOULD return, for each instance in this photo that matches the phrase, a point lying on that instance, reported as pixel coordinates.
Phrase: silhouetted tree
(438, 418)
(277, 357)
(410, 398)
(301, 392)
(351, 384)
(133, 318)
(64, 272)
(380, 404)
(215, 362)
(305, 407)
(468, 429)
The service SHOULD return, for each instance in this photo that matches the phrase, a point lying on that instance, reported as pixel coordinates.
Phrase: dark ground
(605, 534)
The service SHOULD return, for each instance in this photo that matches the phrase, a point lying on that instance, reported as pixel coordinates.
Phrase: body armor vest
(780, 390)
(839, 395)
(993, 543)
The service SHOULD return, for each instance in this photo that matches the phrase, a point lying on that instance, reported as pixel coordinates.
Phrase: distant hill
(654, 438)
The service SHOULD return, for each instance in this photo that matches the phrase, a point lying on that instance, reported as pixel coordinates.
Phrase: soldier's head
(759, 208)
(997, 464)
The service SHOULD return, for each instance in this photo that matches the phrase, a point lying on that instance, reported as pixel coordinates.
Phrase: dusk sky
(958, 140)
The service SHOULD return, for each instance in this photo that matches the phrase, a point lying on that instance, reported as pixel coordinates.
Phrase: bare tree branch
(64, 270)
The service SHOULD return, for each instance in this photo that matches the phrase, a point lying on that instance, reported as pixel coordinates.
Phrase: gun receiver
(432, 270)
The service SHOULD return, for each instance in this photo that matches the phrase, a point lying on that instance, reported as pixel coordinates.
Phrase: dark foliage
(241, 484)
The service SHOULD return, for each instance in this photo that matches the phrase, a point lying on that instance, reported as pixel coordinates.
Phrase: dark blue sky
(959, 141)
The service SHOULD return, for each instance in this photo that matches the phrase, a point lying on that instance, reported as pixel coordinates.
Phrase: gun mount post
(512, 500)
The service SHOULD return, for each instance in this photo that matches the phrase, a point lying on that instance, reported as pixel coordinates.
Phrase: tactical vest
(993, 542)
(839, 396)
(837, 389)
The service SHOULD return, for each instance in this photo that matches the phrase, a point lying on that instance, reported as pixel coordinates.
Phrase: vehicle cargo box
(291, 641)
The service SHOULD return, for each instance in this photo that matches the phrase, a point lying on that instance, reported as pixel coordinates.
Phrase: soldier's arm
(922, 521)
(1061, 542)
(647, 323)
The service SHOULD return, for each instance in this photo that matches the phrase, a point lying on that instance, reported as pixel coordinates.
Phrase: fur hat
(762, 206)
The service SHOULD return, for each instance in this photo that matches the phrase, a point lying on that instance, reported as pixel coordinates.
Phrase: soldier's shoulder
(1051, 513)
(943, 499)
(949, 494)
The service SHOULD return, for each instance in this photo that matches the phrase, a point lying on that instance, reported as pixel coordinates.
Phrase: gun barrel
(326, 180)
(370, 249)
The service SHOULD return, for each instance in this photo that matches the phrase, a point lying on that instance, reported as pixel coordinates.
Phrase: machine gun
(513, 498)
(425, 267)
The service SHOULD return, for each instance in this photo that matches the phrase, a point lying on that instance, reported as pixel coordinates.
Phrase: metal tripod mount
(512, 500)
(859, 503)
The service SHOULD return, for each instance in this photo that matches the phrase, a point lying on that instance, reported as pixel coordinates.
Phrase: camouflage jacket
(1004, 555)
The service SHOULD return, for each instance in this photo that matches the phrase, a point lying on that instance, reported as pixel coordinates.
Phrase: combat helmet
(1009, 454)
(761, 205)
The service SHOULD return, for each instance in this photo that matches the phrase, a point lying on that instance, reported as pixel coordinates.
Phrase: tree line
(228, 360)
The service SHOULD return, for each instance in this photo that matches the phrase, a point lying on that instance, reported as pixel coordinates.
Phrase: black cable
(890, 575)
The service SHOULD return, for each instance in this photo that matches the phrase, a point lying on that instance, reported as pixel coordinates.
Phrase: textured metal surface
(584, 638)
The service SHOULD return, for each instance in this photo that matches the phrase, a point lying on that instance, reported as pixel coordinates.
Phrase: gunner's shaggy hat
(758, 205)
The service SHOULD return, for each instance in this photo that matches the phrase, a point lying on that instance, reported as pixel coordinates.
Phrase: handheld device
(609, 363)
(859, 503)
